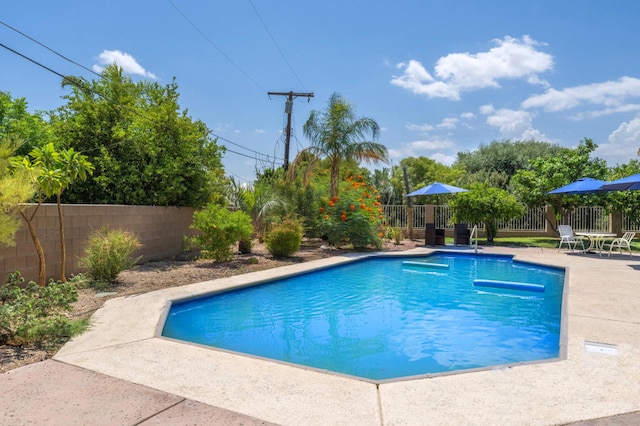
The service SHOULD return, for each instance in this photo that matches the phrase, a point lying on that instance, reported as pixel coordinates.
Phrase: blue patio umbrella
(585, 185)
(629, 183)
(436, 188)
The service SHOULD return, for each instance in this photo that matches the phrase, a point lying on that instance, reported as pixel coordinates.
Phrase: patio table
(596, 240)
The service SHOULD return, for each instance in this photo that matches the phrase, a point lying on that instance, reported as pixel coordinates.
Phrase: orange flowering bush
(354, 217)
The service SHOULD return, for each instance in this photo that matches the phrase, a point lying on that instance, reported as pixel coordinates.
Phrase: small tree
(59, 170)
(219, 230)
(34, 172)
(487, 205)
(53, 171)
(16, 187)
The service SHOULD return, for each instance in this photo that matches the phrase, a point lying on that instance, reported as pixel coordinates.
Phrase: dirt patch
(172, 273)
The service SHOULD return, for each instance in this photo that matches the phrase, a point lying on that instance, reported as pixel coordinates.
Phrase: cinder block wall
(159, 229)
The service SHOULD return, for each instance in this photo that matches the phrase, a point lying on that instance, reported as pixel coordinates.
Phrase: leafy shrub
(355, 217)
(30, 313)
(284, 239)
(108, 253)
(219, 230)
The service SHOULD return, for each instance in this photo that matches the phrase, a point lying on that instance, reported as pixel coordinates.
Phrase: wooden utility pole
(288, 109)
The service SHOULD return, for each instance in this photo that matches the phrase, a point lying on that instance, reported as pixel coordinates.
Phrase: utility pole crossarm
(288, 109)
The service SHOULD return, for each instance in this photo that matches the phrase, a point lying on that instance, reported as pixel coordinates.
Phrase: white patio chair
(622, 242)
(567, 237)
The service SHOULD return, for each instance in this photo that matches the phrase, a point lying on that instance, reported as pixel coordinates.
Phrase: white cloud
(426, 148)
(222, 127)
(511, 58)
(259, 131)
(623, 143)
(124, 60)
(610, 94)
(512, 124)
(416, 79)
(607, 111)
(448, 123)
(424, 128)
(445, 159)
(486, 109)
(466, 117)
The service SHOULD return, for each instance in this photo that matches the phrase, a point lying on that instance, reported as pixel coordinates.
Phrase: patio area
(597, 379)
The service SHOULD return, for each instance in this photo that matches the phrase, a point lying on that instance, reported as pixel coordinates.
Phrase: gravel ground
(171, 273)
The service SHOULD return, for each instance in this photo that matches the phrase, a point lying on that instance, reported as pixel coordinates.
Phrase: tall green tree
(144, 147)
(627, 202)
(532, 185)
(17, 121)
(496, 163)
(339, 135)
(422, 171)
(484, 204)
(382, 179)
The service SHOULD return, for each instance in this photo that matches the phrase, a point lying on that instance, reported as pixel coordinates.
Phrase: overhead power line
(49, 49)
(64, 77)
(216, 46)
(248, 149)
(78, 84)
(277, 45)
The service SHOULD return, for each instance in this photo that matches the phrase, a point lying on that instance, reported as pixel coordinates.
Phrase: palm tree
(337, 134)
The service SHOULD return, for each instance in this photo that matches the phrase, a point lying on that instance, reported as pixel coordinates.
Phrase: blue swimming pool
(388, 317)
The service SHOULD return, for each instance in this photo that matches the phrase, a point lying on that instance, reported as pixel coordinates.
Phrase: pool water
(382, 318)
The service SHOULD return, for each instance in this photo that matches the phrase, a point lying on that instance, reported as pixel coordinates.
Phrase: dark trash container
(461, 234)
(433, 236)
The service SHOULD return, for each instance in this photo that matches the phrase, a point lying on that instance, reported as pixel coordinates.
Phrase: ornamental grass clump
(284, 239)
(395, 234)
(108, 253)
(354, 217)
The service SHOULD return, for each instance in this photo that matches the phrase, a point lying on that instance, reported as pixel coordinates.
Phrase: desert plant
(219, 230)
(284, 240)
(110, 252)
(30, 313)
(395, 234)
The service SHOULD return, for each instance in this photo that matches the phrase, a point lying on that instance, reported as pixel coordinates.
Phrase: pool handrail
(474, 232)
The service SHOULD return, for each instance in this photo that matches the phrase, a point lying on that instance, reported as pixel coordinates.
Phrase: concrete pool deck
(603, 308)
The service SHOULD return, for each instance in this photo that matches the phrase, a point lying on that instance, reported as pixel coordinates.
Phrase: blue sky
(439, 77)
